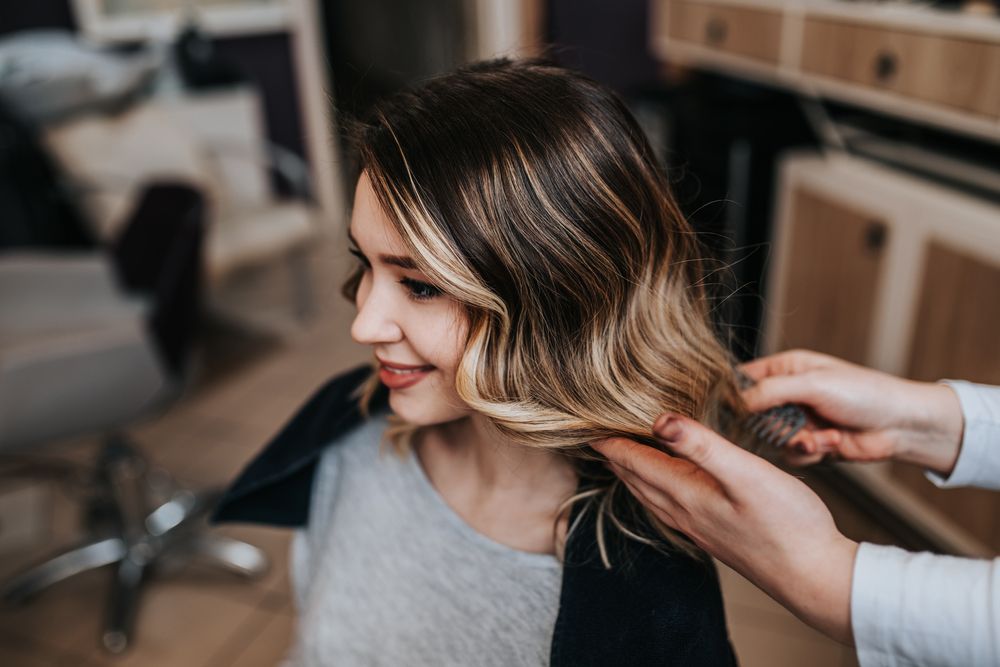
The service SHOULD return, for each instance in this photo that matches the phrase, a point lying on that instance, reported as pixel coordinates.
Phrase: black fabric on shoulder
(276, 486)
(650, 608)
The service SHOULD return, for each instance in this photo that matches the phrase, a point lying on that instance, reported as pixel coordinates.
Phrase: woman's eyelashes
(419, 291)
(416, 289)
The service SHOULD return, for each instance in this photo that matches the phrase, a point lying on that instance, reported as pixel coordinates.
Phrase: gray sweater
(386, 573)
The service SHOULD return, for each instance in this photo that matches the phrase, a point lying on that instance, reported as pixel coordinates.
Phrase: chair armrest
(88, 381)
(289, 166)
(47, 292)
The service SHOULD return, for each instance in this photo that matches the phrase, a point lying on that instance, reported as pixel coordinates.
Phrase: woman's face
(417, 333)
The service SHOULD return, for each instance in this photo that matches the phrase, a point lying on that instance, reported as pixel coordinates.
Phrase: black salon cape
(650, 609)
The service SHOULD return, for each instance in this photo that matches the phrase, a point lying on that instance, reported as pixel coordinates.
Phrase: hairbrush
(775, 426)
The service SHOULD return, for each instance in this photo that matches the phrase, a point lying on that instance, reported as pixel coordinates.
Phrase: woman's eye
(416, 290)
(419, 291)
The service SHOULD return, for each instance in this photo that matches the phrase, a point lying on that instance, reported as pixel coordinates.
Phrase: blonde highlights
(528, 194)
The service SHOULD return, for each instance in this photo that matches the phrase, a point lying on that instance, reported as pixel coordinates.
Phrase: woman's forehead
(372, 231)
(370, 227)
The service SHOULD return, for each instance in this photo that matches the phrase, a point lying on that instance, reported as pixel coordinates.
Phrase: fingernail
(666, 427)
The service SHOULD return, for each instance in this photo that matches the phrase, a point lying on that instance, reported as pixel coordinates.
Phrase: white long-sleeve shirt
(924, 609)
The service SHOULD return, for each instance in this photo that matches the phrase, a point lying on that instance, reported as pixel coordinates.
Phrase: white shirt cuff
(979, 457)
(873, 603)
(910, 609)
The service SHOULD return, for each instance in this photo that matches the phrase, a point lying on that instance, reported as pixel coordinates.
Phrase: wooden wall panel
(956, 336)
(832, 275)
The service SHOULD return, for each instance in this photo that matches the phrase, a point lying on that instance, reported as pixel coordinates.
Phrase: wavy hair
(529, 194)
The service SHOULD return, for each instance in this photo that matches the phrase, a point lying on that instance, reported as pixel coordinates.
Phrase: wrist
(819, 592)
(932, 435)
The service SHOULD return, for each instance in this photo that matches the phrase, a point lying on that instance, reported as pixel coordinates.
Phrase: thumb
(670, 475)
(638, 458)
(731, 465)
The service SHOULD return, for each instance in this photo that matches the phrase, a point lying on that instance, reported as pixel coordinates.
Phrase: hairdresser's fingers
(798, 458)
(733, 467)
(670, 496)
(684, 506)
(674, 516)
(827, 441)
(810, 447)
(816, 441)
(633, 456)
(673, 476)
(654, 498)
(774, 391)
(790, 362)
(692, 506)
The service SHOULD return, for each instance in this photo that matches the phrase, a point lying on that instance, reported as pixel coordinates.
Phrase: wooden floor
(200, 617)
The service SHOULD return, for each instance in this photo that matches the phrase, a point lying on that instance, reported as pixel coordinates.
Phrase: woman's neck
(505, 490)
(498, 463)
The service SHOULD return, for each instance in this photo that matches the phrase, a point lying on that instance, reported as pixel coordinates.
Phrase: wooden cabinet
(900, 274)
(745, 31)
(915, 61)
(959, 73)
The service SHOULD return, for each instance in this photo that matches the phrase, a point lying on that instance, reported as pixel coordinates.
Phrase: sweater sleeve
(922, 609)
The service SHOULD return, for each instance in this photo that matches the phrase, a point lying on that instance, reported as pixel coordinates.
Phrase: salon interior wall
(265, 58)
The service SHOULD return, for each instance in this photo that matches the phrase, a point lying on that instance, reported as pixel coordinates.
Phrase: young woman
(527, 285)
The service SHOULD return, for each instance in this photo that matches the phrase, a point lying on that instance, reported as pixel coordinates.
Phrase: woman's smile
(400, 376)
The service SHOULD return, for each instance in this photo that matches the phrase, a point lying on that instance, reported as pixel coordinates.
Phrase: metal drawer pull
(886, 66)
(716, 30)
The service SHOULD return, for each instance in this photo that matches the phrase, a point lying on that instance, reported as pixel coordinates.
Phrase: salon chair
(89, 344)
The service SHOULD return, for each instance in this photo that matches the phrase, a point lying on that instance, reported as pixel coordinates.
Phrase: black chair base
(138, 542)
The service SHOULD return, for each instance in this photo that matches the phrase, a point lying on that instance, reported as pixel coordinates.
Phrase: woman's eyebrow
(402, 261)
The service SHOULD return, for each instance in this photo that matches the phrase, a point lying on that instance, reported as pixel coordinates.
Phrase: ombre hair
(529, 194)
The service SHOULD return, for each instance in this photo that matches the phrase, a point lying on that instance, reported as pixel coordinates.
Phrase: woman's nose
(374, 324)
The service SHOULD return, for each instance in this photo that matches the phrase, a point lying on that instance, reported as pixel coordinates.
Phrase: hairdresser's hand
(762, 522)
(859, 414)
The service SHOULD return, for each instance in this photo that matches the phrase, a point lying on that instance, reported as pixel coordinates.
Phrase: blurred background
(174, 192)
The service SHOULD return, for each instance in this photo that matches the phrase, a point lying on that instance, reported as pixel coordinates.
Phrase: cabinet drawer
(743, 31)
(952, 72)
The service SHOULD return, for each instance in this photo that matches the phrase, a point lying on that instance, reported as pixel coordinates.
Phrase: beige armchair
(214, 140)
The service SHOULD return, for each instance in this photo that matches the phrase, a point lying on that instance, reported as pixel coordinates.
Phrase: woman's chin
(422, 410)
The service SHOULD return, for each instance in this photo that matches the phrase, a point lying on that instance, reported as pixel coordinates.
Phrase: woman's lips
(399, 377)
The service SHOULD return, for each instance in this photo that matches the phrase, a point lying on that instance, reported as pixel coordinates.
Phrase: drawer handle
(716, 30)
(886, 66)
(875, 236)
